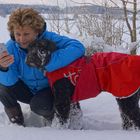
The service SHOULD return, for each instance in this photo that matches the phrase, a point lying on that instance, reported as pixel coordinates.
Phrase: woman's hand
(6, 59)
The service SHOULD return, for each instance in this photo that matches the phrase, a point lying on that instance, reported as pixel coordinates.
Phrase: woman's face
(24, 36)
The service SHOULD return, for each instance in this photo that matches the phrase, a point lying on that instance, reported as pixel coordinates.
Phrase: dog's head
(39, 53)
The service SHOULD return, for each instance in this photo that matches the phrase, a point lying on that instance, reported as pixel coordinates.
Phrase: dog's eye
(42, 51)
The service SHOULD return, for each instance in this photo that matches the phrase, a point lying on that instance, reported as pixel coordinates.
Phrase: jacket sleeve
(68, 51)
(9, 77)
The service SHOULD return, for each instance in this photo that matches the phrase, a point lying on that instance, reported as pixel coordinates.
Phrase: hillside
(89, 9)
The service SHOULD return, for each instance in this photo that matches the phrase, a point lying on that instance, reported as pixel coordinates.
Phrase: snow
(101, 119)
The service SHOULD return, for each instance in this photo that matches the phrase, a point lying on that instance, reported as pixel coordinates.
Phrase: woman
(19, 82)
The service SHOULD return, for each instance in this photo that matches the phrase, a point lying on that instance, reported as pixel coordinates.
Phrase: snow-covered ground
(101, 119)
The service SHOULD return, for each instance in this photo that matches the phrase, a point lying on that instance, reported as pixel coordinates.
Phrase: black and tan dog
(39, 54)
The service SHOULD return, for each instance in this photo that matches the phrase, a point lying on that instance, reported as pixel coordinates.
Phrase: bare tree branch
(114, 3)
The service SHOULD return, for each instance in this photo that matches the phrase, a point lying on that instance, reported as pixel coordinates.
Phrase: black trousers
(40, 103)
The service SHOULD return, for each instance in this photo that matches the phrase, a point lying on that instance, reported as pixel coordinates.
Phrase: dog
(39, 54)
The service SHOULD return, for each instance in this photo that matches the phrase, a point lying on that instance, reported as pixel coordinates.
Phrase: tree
(130, 10)
(104, 25)
(132, 27)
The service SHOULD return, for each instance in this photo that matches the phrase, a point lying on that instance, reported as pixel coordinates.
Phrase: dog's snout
(29, 60)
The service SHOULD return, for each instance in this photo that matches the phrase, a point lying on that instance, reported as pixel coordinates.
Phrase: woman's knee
(4, 91)
(41, 106)
(8, 90)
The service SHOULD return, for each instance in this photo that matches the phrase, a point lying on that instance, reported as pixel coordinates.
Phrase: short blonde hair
(26, 17)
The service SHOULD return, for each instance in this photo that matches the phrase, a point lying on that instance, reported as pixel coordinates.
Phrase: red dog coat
(114, 72)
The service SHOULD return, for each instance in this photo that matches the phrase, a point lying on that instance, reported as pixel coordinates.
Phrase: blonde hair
(26, 17)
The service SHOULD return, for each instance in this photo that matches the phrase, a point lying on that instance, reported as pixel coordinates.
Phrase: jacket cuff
(4, 69)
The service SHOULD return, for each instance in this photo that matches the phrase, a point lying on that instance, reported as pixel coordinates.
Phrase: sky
(62, 3)
(54, 2)
(50, 2)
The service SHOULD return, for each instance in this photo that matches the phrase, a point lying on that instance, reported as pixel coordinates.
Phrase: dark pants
(40, 103)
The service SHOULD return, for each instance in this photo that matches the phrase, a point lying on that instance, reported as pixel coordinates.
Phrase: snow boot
(15, 115)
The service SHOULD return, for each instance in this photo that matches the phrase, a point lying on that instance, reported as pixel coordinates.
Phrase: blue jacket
(68, 51)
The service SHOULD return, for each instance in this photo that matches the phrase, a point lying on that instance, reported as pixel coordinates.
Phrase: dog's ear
(31, 45)
(51, 46)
